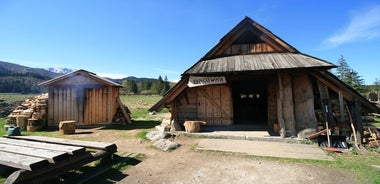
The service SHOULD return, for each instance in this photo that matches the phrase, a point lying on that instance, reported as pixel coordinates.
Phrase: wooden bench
(36, 159)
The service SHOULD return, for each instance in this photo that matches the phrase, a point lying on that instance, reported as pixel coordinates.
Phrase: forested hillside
(20, 79)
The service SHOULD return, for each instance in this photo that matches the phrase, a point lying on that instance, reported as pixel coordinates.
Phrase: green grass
(15, 97)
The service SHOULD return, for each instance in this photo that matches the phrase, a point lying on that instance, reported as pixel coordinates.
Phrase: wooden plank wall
(186, 106)
(63, 105)
(100, 105)
(248, 48)
(85, 106)
(212, 104)
(215, 105)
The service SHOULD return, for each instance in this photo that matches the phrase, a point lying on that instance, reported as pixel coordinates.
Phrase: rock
(157, 134)
(165, 144)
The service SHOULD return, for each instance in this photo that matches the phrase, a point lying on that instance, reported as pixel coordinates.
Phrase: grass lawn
(15, 97)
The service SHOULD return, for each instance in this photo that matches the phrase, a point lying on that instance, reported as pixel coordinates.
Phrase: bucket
(13, 131)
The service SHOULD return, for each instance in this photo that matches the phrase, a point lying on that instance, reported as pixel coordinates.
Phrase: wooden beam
(326, 107)
(111, 147)
(21, 161)
(280, 97)
(358, 120)
(341, 106)
(72, 150)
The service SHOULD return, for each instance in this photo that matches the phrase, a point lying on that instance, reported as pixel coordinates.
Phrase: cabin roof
(82, 72)
(263, 50)
(259, 62)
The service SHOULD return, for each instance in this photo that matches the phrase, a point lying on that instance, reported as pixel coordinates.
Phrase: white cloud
(364, 25)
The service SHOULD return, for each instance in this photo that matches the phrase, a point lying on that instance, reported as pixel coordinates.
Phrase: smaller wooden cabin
(81, 96)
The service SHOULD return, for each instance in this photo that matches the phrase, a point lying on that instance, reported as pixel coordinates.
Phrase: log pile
(119, 118)
(31, 114)
(371, 137)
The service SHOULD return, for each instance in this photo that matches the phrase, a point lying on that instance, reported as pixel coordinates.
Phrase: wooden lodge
(81, 96)
(253, 77)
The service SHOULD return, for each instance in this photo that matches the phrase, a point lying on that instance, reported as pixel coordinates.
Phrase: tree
(165, 86)
(349, 76)
(343, 69)
(129, 87)
(354, 80)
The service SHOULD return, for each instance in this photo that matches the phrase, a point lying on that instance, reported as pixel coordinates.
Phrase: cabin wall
(215, 105)
(100, 105)
(212, 104)
(272, 105)
(64, 104)
(186, 106)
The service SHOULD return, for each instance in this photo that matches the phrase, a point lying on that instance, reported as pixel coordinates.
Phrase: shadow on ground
(136, 124)
(109, 172)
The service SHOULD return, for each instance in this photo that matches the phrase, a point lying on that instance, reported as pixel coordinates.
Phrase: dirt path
(188, 165)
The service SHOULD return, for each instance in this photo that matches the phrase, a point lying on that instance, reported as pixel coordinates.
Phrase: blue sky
(119, 38)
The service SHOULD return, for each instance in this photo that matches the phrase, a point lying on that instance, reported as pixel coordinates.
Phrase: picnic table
(35, 158)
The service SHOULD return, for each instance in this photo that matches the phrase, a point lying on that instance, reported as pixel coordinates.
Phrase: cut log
(67, 127)
(193, 126)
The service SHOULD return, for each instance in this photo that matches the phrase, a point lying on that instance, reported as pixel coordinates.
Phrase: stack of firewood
(119, 118)
(31, 114)
(371, 136)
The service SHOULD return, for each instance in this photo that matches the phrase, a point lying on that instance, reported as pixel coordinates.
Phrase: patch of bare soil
(187, 165)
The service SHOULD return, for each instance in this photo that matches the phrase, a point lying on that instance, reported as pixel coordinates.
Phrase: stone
(157, 135)
(303, 134)
(165, 144)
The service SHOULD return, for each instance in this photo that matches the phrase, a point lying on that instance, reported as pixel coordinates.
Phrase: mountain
(16, 78)
(11, 68)
(59, 70)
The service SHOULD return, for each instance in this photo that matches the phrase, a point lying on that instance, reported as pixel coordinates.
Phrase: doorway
(250, 102)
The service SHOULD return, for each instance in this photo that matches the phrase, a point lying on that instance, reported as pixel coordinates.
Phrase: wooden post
(288, 104)
(326, 106)
(304, 102)
(358, 121)
(341, 106)
(280, 97)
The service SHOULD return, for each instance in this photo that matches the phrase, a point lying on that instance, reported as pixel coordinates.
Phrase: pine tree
(343, 69)
(165, 86)
(349, 76)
